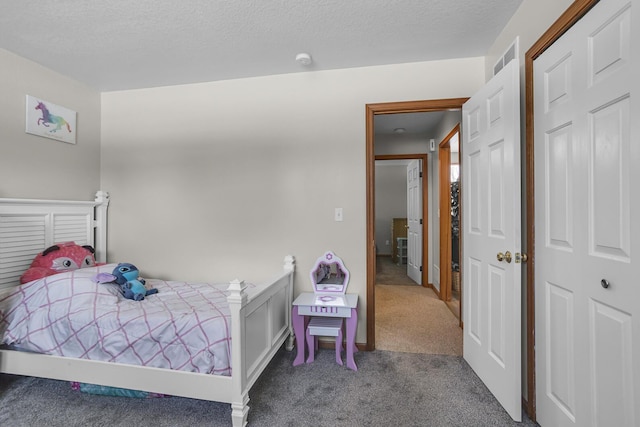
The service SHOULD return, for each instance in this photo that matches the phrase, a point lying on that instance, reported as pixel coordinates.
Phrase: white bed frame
(259, 325)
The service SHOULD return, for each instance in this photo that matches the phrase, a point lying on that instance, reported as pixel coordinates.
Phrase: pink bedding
(185, 326)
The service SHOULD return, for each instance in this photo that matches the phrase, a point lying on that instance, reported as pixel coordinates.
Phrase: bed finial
(102, 203)
(237, 294)
(289, 263)
(102, 197)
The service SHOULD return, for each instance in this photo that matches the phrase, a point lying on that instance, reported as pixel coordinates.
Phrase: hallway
(410, 318)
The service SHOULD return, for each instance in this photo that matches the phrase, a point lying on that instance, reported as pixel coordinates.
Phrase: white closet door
(587, 155)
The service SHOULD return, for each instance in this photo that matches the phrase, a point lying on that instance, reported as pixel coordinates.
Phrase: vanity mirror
(329, 275)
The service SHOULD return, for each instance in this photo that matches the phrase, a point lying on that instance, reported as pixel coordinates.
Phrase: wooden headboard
(28, 226)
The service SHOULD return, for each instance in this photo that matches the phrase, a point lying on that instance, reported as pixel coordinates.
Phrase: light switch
(338, 215)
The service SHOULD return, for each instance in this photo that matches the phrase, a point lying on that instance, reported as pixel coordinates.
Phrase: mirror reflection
(329, 274)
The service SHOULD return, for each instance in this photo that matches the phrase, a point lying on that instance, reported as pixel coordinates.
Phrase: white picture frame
(46, 119)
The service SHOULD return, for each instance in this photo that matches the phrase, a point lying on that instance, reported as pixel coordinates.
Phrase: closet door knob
(605, 283)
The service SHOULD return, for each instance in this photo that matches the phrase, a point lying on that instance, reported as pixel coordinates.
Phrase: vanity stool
(325, 327)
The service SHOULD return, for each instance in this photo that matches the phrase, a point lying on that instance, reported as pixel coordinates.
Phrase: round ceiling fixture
(303, 59)
(399, 130)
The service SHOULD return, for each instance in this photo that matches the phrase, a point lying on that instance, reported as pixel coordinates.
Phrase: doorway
(371, 111)
(410, 316)
(395, 193)
(397, 234)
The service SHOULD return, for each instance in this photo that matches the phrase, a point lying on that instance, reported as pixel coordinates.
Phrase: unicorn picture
(50, 120)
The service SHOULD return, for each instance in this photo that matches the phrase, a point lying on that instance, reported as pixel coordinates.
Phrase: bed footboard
(260, 326)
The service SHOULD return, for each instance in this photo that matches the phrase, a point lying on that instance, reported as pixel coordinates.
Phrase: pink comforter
(185, 326)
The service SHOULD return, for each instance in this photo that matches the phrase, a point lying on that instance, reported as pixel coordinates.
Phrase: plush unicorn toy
(131, 284)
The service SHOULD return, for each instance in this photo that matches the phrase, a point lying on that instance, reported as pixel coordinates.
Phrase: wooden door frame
(572, 15)
(444, 174)
(425, 203)
(371, 110)
(444, 204)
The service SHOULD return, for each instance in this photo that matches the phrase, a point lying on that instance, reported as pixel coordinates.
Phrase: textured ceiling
(124, 44)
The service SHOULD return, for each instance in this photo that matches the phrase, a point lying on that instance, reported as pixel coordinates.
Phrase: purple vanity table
(328, 299)
(310, 304)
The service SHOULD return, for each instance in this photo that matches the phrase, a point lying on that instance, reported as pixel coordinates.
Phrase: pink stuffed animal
(59, 258)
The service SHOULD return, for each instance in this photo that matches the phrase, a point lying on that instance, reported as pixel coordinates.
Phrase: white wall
(207, 178)
(37, 167)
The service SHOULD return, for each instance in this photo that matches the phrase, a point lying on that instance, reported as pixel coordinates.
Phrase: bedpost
(290, 265)
(100, 236)
(240, 401)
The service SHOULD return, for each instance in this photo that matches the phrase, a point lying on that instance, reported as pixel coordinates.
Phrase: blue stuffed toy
(131, 284)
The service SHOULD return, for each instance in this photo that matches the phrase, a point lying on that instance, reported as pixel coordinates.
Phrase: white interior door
(587, 157)
(491, 226)
(414, 221)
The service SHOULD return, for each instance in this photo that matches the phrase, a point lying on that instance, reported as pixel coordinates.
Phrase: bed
(260, 315)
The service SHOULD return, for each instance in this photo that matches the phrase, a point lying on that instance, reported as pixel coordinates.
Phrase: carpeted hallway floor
(409, 317)
(390, 273)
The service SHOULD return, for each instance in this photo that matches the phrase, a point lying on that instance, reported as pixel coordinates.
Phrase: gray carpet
(389, 389)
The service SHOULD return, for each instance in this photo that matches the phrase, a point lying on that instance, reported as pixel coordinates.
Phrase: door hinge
(420, 221)
(420, 174)
(420, 268)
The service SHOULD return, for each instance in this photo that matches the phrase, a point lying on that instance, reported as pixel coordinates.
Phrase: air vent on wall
(511, 53)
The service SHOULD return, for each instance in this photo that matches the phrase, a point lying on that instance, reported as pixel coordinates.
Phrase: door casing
(444, 162)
